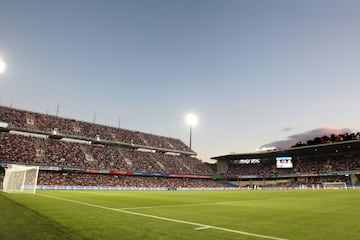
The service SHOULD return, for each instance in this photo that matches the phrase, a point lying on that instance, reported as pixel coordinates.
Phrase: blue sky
(253, 71)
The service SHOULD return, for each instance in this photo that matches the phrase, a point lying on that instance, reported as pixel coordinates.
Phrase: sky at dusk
(253, 72)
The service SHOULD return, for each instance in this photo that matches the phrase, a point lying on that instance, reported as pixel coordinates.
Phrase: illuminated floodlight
(2, 66)
(191, 119)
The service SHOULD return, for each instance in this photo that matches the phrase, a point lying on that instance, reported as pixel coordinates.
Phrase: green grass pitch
(246, 215)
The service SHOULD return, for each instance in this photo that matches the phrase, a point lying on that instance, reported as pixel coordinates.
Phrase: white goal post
(19, 178)
(335, 185)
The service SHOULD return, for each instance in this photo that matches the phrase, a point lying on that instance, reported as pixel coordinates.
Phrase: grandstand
(81, 154)
(76, 153)
(324, 159)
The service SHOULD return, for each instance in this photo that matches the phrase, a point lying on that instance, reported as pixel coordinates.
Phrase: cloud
(287, 129)
(305, 136)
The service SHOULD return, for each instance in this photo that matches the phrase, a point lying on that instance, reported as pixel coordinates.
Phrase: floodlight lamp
(2, 66)
(191, 119)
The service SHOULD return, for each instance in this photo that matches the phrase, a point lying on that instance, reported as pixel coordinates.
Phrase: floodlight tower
(192, 120)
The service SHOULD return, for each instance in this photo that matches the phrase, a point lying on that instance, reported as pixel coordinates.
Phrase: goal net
(335, 185)
(20, 178)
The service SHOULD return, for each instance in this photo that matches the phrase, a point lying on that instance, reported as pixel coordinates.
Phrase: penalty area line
(198, 225)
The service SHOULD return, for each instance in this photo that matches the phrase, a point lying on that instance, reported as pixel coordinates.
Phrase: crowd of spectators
(61, 153)
(16, 148)
(308, 183)
(329, 139)
(80, 179)
(305, 165)
(31, 121)
(250, 169)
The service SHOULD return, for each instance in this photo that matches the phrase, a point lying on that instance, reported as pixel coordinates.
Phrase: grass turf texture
(19, 222)
(295, 215)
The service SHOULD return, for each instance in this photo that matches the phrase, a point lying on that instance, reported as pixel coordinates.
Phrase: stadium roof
(345, 147)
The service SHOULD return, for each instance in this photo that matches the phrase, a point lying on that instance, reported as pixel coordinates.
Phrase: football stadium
(99, 182)
(99, 102)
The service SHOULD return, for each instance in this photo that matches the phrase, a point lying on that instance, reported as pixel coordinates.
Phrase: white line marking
(199, 225)
(202, 228)
(165, 206)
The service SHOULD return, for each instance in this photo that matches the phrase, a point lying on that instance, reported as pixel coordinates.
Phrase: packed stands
(305, 165)
(67, 150)
(47, 124)
(17, 148)
(50, 152)
(80, 179)
(322, 159)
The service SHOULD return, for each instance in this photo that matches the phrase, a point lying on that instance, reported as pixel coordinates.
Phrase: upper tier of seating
(43, 123)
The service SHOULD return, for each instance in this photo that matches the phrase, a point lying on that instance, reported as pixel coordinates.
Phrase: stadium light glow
(192, 120)
(2, 66)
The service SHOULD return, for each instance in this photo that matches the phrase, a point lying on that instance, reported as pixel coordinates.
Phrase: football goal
(20, 178)
(335, 185)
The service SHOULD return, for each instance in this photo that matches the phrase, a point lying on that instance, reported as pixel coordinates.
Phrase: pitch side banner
(99, 188)
(107, 188)
(116, 172)
(150, 174)
(73, 169)
(249, 176)
(91, 171)
(188, 176)
(49, 168)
